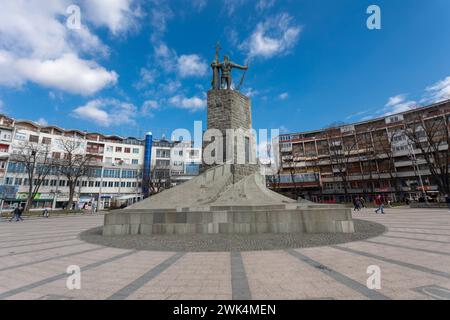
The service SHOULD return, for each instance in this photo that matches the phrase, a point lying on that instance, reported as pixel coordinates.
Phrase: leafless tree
(384, 142)
(431, 137)
(74, 165)
(342, 148)
(38, 164)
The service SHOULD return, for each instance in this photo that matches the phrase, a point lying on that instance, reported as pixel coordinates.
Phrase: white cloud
(36, 46)
(264, 4)
(398, 104)
(149, 106)
(147, 77)
(160, 14)
(199, 4)
(117, 15)
(68, 73)
(396, 100)
(193, 104)
(191, 66)
(275, 36)
(107, 112)
(250, 92)
(440, 91)
(283, 96)
(42, 122)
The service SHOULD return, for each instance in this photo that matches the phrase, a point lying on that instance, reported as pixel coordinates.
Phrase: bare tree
(74, 165)
(384, 142)
(431, 137)
(342, 148)
(38, 164)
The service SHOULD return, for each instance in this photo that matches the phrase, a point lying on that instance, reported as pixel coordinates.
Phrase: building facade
(115, 172)
(401, 156)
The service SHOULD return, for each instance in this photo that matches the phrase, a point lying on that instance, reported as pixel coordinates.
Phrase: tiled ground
(414, 258)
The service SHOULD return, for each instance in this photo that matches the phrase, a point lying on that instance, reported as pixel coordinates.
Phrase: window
(118, 149)
(134, 161)
(110, 149)
(45, 183)
(110, 184)
(91, 184)
(111, 173)
(128, 184)
(136, 150)
(122, 184)
(108, 160)
(127, 150)
(46, 140)
(53, 183)
(84, 184)
(56, 155)
(129, 174)
(116, 184)
(9, 181)
(20, 136)
(62, 183)
(97, 184)
(34, 138)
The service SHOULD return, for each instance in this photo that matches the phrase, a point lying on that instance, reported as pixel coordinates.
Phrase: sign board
(38, 196)
(8, 192)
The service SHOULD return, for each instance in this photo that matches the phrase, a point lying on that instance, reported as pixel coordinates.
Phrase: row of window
(10, 181)
(14, 167)
(110, 149)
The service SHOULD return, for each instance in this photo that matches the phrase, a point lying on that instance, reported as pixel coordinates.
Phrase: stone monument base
(222, 201)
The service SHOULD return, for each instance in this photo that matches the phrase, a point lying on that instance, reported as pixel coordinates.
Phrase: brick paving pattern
(414, 258)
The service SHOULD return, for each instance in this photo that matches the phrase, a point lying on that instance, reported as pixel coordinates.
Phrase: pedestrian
(363, 202)
(447, 200)
(379, 204)
(22, 209)
(45, 213)
(16, 214)
(355, 205)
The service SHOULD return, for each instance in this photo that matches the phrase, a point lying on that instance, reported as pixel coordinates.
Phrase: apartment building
(174, 162)
(115, 173)
(400, 156)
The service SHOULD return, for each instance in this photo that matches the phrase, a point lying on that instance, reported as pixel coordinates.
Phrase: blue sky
(138, 65)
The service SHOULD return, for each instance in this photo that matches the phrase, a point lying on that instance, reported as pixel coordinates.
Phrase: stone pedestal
(229, 112)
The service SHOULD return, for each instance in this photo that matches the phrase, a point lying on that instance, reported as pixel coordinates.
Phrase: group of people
(360, 202)
(17, 213)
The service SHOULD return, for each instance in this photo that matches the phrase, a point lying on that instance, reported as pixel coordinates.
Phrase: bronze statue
(225, 69)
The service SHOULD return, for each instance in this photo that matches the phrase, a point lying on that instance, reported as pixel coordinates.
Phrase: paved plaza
(413, 256)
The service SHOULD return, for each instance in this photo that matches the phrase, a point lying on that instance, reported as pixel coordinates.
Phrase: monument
(230, 196)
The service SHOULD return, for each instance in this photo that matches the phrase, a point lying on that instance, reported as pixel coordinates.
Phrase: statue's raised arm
(226, 66)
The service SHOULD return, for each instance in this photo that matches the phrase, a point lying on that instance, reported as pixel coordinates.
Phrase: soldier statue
(225, 69)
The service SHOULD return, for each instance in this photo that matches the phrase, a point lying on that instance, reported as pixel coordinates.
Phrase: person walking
(46, 213)
(16, 214)
(379, 204)
(363, 202)
(355, 207)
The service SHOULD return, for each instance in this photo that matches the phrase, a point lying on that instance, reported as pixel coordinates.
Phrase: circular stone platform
(232, 242)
